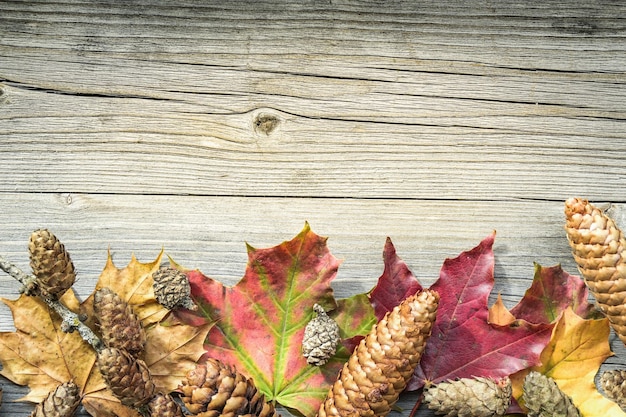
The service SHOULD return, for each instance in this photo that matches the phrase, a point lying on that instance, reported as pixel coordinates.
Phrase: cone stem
(70, 320)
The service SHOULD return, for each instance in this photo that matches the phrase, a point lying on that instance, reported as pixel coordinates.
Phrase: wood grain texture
(198, 126)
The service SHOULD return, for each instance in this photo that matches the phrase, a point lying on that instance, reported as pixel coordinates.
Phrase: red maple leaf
(395, 284)
(463, 343)
(552, 292)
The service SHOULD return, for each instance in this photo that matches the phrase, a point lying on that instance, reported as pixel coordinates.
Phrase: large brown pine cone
(214, 389)
(129, 378)
(51, 264)
(119, 325)
(599, 249)
(382, 364)
(61, 402)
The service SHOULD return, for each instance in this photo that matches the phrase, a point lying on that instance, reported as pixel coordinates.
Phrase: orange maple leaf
(499, 314)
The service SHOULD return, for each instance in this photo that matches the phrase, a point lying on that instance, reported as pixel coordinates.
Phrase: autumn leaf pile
(207, 349)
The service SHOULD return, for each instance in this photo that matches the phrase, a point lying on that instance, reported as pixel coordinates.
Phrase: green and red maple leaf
(259, 323)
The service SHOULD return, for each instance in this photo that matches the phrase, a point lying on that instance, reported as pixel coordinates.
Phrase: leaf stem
(416, 406)
(70, 321)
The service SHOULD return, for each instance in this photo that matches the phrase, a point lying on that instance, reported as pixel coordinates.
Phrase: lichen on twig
(70, 321)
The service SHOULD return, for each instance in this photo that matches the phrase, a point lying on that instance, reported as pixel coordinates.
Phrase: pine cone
(129, 378)
(171, 289)
(163, 405)
(613, 384)
(470, 397)
(214, 389)
(599, 249)
(543, 398)
(383, 362)
(321, 336)
(51, 264)
(61, 402)
(119, 325)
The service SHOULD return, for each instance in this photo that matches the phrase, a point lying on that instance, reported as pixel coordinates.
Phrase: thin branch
(70, 321)
(8, 267)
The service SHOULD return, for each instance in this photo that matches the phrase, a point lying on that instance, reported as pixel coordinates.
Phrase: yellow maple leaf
(133, 284)
(27, 354)
(40, 355)
(572, 358)
(172, 349)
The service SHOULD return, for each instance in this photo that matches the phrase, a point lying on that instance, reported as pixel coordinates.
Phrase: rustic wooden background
(199, 126)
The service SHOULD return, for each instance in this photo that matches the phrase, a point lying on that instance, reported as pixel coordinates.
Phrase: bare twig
(70, 320)
(8, 267)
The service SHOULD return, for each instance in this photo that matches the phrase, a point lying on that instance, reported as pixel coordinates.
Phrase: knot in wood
(265, 123)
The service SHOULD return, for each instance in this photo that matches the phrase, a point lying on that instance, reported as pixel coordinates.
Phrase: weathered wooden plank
(113, 150)
(209, 233)
(269, 101)
(471, 31)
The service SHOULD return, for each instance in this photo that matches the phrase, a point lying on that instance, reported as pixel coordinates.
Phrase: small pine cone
(321, 336)
(470, 397)
(383, 362)
(613, 384)
(543, 398)
(61, 402)
(171, 289)
(129, 378)
(51, 264)
(163, 405)
(599, 249)
(119, 325)
(214, 389)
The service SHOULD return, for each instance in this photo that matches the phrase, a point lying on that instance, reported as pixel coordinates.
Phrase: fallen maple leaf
(259, 323)
(395, 284)
(39, 354)
(572, 358)
(552, 292)
(27, 354)
(463, 343)
(133, 284)
(499, 314)
(355, 317)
